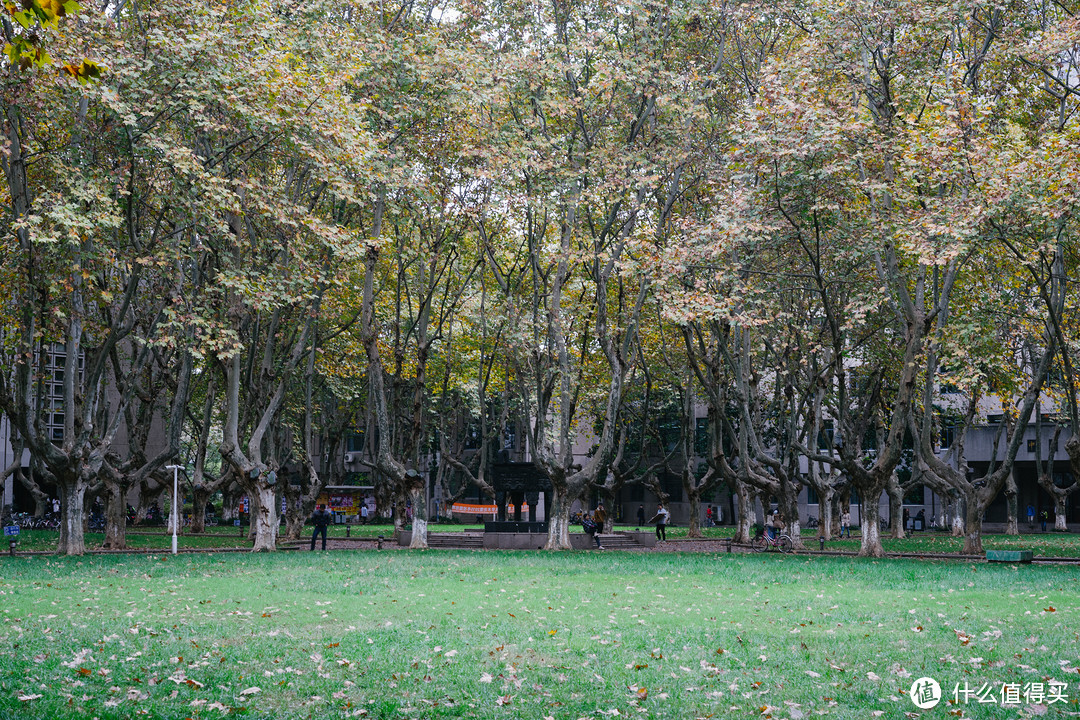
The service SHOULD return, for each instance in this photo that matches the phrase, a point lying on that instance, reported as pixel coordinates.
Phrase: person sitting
(777, 524)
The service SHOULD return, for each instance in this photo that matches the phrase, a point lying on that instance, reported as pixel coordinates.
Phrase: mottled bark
(72, 540)
(869, 529)
(745, 514)
(115, 516)
(1012, 524)
(559, 523)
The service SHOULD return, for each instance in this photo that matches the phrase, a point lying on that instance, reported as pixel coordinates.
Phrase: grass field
(525, 635)
(1050, 544)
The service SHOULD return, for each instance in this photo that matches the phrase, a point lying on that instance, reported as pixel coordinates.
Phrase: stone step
(619, 542)
(455, 540)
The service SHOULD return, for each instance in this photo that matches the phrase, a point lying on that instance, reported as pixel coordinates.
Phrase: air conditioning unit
(351, 457)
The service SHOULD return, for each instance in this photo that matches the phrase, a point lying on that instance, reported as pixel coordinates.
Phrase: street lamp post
(175, 513)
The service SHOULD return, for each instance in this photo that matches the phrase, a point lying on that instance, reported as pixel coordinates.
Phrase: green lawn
(524, 635)
(1049, 544)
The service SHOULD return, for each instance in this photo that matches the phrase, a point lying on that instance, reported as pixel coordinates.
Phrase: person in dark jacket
(599, 516)
(320, 518)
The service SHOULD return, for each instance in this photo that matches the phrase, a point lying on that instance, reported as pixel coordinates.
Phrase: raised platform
(515, 526)
(529, 541)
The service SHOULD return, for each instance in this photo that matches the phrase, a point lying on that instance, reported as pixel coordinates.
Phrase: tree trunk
(1012, 526)
(115, 517)
(825, 511)
(609, 504)
(896, 510)
(199, 498)
(843, 505)
(559, 522)
(869, 524)
(264, 517)
(418, 496)
(956, 507)
(72, 540)
(745, 515)
(229, 510)
(1059, 512)
(693, 529)
(973, 535)
(790, 511)
(294, 523)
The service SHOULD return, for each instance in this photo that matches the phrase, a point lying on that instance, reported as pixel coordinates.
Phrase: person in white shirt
(661, 519)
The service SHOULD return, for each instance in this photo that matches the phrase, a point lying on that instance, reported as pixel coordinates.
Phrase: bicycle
(763, 542)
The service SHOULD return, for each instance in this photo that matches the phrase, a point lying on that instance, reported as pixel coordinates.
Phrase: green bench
(1009, 556)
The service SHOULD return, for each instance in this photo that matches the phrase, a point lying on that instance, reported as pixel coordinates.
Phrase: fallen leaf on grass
(1050, 609)
(26, 698)
(485, 677)
(504, 700)
(251, 691)
(813, 674)
(78, 659)
(873, 676)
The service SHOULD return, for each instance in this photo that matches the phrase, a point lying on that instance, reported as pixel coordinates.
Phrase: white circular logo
(925, 693)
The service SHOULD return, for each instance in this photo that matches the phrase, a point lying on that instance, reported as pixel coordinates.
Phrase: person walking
(845, 523)
(640, 514)
(599, 516)
(320, 518)
(1044, 516)
(1031, 517)
(661, 519)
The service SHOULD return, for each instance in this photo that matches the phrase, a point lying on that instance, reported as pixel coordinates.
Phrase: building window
(915, 495)
(948, 435)
(811, 496)
(701, 436)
